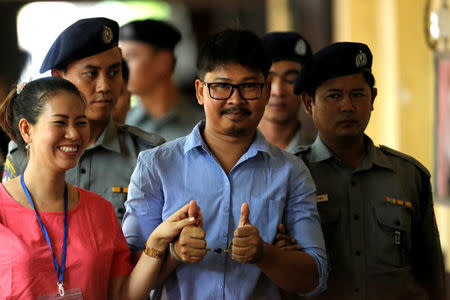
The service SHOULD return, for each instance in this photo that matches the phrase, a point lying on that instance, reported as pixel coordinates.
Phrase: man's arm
(144, 213)
(293, 271)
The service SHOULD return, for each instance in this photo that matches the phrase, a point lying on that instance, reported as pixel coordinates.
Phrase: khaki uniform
(104, 168)
(378, 223)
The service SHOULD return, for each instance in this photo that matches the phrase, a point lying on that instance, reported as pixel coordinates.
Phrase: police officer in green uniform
(281, 123)
(148, 46)
(87, 54)
(375, 203)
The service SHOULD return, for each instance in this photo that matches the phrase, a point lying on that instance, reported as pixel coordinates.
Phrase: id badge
(72, 294)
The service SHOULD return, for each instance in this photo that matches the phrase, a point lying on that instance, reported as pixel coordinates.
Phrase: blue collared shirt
(277, 186)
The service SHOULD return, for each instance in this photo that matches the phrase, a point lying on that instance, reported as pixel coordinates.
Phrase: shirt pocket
(393, 235)
(329, 219)
(267, 217)
(118, 199)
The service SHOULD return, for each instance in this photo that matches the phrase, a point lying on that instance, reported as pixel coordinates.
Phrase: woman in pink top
(58, 240)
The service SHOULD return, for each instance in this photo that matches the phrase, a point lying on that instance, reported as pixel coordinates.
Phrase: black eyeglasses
(223, 91)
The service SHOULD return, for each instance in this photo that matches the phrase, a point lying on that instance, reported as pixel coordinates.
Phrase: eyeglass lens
(223, 91)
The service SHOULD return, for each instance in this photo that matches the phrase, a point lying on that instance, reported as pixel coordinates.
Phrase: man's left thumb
(245, 213)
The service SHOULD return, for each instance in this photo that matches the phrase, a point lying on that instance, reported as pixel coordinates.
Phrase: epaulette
(12, 146)
(406, 157)
(301, 149)
(145, 138)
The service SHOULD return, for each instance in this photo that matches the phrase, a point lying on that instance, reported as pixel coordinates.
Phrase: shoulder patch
(406, 157)
(145, 138)
(301, 150)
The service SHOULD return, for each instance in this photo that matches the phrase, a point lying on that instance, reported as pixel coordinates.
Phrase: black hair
(27, 102)
(233, 46)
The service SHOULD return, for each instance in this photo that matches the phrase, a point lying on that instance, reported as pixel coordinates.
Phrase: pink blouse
(96, 248)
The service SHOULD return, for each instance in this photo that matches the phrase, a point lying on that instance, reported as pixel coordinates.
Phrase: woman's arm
(146, 274)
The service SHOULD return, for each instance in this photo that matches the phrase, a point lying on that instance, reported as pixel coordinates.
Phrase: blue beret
(287, 46)
(82, 39)
(157, 33)
(335, 60)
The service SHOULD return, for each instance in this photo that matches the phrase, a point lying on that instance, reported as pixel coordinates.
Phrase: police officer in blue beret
(87, 54)
(148, 46)
(375, 203)
(280, 124)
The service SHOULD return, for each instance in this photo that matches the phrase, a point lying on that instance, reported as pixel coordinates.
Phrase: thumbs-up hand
(245, 214)
(195, 212)
(173, 225)
(191, 245)
(247, 245)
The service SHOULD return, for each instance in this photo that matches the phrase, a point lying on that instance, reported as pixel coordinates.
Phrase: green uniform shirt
(378, 223)
(104, 168)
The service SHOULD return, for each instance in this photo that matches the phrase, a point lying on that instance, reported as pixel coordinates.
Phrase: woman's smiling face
(61, 133)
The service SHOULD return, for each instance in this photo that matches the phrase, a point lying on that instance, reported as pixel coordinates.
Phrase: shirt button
(356, 217)
(83, 171)
(397, 222)
(356, 290)
(358, 253)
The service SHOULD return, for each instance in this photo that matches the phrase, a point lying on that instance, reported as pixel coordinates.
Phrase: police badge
(361, 59)
(107, 35)
(300, 47)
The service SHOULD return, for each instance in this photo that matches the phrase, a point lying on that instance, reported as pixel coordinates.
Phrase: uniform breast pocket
(118, 199)
(393, 235)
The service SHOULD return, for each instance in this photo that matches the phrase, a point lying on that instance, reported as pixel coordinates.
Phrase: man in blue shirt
(244, 186)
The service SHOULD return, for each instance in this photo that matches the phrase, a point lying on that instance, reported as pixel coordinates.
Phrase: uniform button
(358, 253)
(83, 171)
(356, 217)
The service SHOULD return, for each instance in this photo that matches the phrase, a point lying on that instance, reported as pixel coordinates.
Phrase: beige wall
(403, 68)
